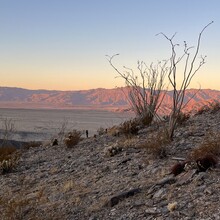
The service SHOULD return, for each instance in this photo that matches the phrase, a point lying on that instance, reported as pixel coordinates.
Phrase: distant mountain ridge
(91, 99)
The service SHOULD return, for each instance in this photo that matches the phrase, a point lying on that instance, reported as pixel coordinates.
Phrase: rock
(151, 211)
(124, 161)
(54, 142)
(201, 176)
(186, 177)
(116, 199)
(159, 193)
(167, 180)
(208, 191)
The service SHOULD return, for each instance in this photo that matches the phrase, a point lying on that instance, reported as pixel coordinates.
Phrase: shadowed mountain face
(91, 99)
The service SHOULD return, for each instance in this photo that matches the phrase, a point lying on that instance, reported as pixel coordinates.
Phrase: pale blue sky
(61, 44)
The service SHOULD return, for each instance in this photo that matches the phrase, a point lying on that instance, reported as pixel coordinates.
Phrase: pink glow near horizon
(63, 46)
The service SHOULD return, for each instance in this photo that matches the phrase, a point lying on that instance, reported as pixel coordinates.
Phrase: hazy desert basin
(44, 124)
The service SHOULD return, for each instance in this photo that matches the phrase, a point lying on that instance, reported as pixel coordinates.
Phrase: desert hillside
(119, 177)
(115, 99)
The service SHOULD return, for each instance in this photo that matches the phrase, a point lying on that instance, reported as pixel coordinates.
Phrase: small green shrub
(72, 138)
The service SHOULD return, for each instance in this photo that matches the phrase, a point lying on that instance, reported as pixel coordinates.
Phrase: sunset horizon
(98, 88)
(63, 46)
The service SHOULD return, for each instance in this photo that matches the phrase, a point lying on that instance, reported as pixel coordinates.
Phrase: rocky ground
(56, 182)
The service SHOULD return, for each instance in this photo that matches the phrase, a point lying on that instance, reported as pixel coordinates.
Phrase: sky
(62, 44)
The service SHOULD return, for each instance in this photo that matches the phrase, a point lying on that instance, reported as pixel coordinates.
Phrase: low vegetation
(72, 138)
(129, 128)
(210, 146)
(156, 144)
(112, 150)
(182, 117)
(8, 159)
(101, 131)
(146, 87)
(32, 144)
(211, 107)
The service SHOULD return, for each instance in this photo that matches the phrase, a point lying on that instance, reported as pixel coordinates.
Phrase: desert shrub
(6, 152)
(144, 89)
(32, 144)
(166, 118)
(8, 128)
(8, 159)
(206, 162)
(6, 166)
(72, 138)
(156, 144)
(129, 142)
(129, 128)
(14, 208)
(112, 150)
(182, 117)
(211, 107)
(19, 207)
(210, 146)
(214, 106)
(114, 131)
(146, 119)
(101, 131)
(202, 110)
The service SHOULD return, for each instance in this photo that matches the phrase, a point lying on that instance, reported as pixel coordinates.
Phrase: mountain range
(106, 99)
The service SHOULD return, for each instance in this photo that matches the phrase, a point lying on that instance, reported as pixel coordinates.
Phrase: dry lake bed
(43, 124)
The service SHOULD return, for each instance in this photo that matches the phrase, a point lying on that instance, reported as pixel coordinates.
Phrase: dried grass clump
(19, 207)
(211, 107)
(129, 128)
(130, 142)
(182, 117)
(8, 159)
(146, 119)
(33, 144)
(13, 208)
(112, 150)
(202, 110)
(214, 106)
(6, 152)
(113, 131)
(6, 166)
(72, 138)
(210, 146)
(156, 144)
(172, 206)
(101, 131)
